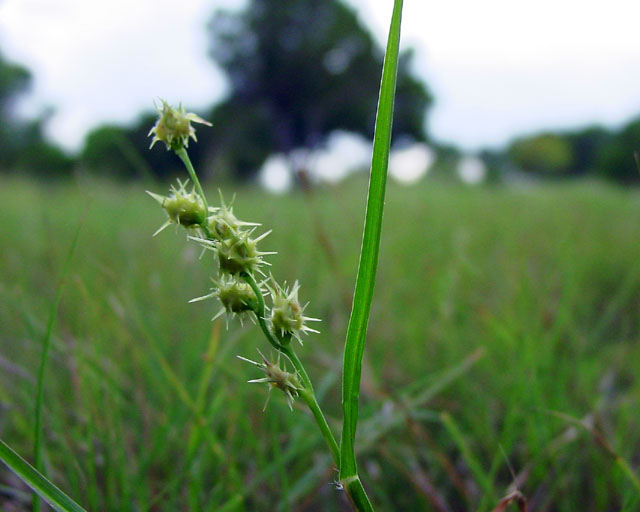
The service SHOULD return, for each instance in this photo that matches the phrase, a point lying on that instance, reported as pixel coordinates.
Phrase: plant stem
(356, 494)
(182, 154)
(259, 311)
(307, 394)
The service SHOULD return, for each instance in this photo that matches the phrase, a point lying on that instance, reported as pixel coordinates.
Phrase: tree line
(297, 71)
(589, 151)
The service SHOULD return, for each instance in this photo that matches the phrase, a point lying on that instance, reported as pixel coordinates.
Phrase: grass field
(499, 315)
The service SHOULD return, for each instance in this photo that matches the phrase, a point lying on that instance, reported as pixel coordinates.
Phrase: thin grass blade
(44, 359)
(28, 474)
(365, 282)
(481, 476)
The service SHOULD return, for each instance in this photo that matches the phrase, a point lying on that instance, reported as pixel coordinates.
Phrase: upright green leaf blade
(27, 473)
(357, 330)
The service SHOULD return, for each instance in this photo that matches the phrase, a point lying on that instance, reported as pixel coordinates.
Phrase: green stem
(182, 153)
(307, 394)
(184, 156)
(259, 311)
(356, 494)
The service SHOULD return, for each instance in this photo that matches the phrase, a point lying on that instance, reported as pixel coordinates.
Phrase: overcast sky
(496, 67)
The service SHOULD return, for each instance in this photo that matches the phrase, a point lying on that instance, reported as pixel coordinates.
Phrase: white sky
(497, 67)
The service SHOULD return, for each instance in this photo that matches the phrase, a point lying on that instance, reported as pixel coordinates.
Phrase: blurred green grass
(147, 407)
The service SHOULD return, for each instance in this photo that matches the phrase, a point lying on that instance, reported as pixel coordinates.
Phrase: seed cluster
(235, 248)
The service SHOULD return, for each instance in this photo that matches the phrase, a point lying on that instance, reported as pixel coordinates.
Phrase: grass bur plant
(242, 286)
(240, 265)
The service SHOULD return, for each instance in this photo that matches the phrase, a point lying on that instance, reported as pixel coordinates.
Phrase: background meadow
(502, 318)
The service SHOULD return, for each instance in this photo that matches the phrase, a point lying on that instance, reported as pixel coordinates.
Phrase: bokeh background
(504, 339)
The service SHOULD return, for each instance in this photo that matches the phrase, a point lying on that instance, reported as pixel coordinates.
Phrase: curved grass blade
(28, 474)
(357, 330)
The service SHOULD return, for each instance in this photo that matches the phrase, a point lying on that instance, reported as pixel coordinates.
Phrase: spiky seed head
(185, 209)
(182, 207)
(223, 224)
(173, 126)
(239, 253)
(287, 319)
(276, 377)
(237, 297)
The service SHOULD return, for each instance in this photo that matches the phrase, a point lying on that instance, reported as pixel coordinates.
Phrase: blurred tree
(616, 159)
(545, 153)
(115, 151)
(14, 81)
(297, 71)
(102, 152)
(38, 156)
(23, 145)
(587, 143)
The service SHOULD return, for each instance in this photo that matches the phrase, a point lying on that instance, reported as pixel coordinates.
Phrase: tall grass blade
(46, 347)
(365, 281)
(30, 476)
